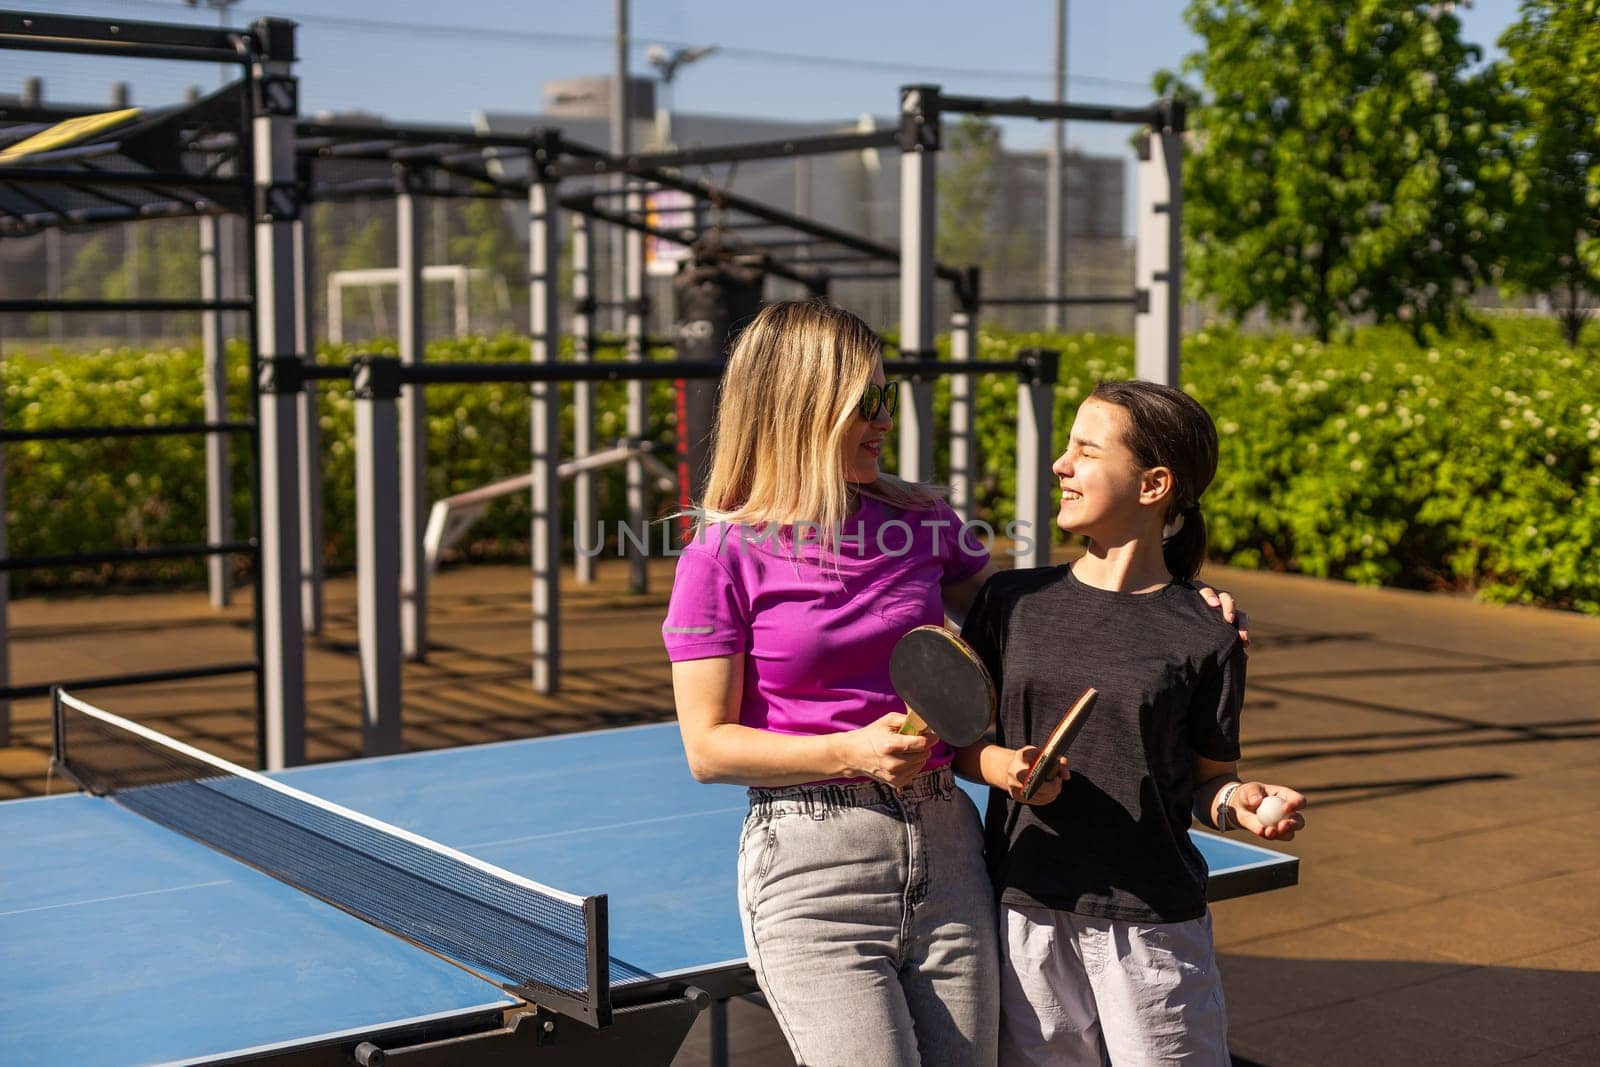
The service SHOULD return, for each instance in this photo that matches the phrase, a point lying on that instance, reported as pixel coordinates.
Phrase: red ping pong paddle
(1044, 768)
(944, 685)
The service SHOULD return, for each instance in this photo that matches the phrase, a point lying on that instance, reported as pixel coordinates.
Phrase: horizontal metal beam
(492, 373)
(48, 219)
(142, 51)
(646, 163)
(1059, 301)
(106, 681)
(1023, 107)
(920, 369)
(23, 175)
(30, 306)
(118, 31)
(93, 433)
(454, 136)
(126, 555)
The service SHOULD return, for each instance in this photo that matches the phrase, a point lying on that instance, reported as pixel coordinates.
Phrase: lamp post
(1055, 208)
(667, 63)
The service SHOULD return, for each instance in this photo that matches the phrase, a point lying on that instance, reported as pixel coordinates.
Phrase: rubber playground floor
(1449, 905)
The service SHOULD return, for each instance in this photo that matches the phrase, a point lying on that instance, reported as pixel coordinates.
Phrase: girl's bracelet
(1225, 818)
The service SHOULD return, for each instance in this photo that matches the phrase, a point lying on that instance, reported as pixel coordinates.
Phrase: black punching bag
(718, 291)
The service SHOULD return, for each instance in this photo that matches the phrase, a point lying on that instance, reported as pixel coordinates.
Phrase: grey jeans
(869, 921)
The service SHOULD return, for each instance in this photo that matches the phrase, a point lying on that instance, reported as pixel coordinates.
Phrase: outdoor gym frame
(389, 394)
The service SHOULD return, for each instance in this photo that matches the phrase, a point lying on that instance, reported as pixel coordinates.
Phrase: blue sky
(382, 55)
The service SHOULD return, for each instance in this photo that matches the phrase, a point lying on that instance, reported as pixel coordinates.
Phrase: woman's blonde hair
(789, 397)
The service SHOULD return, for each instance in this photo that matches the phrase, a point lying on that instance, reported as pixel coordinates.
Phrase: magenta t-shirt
(816, 631)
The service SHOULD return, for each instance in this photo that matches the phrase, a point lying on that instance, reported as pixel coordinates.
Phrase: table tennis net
(541, 943)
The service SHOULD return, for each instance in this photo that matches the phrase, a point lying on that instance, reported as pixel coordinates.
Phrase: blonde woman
(868, 914)
(866, 907)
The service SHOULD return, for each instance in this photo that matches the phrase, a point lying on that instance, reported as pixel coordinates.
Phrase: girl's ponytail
(1185, 550)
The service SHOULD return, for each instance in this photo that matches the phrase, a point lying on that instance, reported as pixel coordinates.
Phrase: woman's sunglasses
(879, 398)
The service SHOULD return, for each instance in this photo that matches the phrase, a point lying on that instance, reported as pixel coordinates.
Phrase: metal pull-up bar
(376, 383)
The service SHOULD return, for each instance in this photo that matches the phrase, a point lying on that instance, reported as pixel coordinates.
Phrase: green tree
(1342, 150)
(1552, 78)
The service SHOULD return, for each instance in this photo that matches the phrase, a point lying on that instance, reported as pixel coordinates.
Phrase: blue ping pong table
(124, 942)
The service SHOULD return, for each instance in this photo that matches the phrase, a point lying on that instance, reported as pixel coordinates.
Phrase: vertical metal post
(375, 387)
(1055, 215)
(963, 414)
(1158, 255)
(1035, 519)
(544, 325)
(621, 142)
(919, 145)
(719, 1033)
(583, 518)
(277, 205)
(413, 420)
(219, 482)
(311, 563)
(638, 413)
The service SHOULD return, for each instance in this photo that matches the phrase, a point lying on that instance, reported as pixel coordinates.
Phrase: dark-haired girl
(1105, 935)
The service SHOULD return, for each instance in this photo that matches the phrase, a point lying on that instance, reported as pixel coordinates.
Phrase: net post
(597, 946)
(58, 734)
(375, 386)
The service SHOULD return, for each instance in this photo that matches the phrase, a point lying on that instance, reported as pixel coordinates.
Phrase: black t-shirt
(1170, 672)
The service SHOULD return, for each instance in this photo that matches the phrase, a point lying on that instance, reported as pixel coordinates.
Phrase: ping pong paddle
(944, 685)
(1044, 768)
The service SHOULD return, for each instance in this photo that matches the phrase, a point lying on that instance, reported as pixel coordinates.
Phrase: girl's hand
(1022, 760)
(881, 752)
(1248, 797)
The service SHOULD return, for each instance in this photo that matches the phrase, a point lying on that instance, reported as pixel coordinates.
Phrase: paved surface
(1449, 905)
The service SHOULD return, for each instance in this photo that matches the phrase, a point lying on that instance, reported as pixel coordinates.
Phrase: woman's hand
(1231, 612)
(1248, 797)
(1022, 761)
(878, 750)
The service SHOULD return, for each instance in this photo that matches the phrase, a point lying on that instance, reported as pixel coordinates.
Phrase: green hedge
(1471, 466)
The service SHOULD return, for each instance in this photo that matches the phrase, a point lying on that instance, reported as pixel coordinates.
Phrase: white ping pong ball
(1271, 810)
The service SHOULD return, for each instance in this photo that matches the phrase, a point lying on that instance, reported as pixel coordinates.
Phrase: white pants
(1081, 990)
